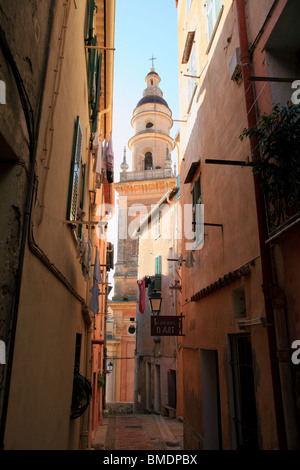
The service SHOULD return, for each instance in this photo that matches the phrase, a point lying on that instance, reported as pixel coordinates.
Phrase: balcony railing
(282, 196)
(158, 173)
(278, 136)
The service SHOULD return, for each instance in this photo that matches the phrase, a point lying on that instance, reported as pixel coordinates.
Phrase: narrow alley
(149, 230)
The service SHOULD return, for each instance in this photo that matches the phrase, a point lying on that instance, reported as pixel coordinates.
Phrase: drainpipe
(284, 428)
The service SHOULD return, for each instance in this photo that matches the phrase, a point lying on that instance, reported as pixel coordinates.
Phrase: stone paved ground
(139, 432)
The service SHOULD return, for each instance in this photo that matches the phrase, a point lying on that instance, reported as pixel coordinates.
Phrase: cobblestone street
(139, 432)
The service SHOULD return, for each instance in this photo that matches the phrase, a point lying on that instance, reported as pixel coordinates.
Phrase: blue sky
(143, 28)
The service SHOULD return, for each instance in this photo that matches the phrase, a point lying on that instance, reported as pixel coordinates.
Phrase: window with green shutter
(197, 212)
(158, 265)
(75, 173)
(93, 68)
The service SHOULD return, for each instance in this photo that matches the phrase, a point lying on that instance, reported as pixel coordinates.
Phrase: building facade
(158, 331)
(55, 171)
(240, 306)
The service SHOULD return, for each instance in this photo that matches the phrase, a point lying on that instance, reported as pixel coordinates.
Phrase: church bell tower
(151, 177)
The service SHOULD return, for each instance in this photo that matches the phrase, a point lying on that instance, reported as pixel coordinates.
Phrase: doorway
(157, 401)
(172, 388)
(210, 399)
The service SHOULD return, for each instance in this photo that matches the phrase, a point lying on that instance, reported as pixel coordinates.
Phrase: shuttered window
(75, 172)
(197, 212)
(93, 69)
(158, 265)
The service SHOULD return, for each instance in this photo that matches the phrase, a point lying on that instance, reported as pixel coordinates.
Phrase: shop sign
(165, 326)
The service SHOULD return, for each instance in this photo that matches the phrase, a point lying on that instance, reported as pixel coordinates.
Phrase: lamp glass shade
(155, 303)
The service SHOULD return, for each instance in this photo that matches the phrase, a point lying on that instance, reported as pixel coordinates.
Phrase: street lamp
(155, 302)
(109, 367)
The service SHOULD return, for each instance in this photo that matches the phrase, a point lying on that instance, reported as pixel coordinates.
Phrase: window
(131, 330)
(213, 8)
(197, 213)
(75, 171)
(239, 302)
(148, 161)
(148, 125)
(93, 66)
(158, 265)
(157, 225)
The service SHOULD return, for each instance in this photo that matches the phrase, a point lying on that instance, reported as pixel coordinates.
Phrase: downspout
(245, 58)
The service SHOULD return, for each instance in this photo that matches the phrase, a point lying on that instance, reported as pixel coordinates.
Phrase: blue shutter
(218, 5)
(75, 172)
(213, 8)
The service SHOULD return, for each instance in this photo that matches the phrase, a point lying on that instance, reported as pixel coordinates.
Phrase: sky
(143, 29)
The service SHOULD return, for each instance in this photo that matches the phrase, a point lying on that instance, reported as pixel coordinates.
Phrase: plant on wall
(278, 138)
(100, 380)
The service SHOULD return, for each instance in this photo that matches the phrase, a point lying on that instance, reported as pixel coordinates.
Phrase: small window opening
(239, 303)
(148, 161)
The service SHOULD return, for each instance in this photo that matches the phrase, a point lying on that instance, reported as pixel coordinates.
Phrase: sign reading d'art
(165, 326)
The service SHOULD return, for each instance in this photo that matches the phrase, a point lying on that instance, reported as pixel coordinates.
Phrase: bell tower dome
(151, 122)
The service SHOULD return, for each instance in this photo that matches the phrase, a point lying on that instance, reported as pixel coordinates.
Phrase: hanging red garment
(141, 285)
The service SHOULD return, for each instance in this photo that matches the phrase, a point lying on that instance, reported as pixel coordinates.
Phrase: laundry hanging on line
(84, 253)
